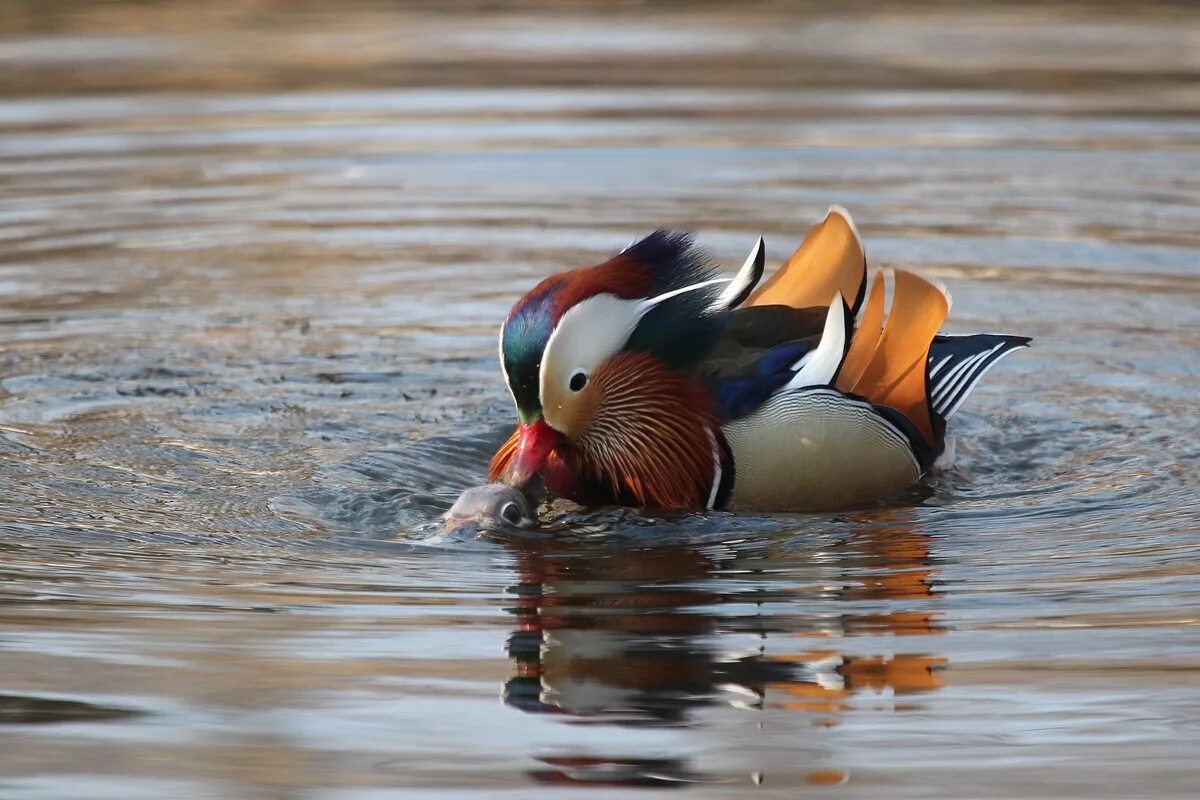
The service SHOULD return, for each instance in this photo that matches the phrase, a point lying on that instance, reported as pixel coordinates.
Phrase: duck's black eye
(511, 514)
(578, 381)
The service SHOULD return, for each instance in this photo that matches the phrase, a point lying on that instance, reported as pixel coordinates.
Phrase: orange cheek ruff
(651, 442)
(499, 463)
(654, 435)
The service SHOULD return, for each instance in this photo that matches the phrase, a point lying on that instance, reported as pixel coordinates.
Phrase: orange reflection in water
(897, 566)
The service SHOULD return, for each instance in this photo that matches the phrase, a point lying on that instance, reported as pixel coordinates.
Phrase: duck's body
(646, 381)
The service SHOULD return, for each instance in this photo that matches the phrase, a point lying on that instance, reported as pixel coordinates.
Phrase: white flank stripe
(716, 487)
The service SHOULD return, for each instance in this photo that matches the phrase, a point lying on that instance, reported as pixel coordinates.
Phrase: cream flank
(817, 449)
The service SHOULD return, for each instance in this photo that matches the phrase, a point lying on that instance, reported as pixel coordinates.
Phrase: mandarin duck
(651, 381)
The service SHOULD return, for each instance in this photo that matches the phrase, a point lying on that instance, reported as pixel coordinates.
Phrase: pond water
(252, 264)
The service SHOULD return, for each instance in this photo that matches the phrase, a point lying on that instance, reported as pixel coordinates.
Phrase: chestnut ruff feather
(652, 442)
(652, 438)
(499, 462)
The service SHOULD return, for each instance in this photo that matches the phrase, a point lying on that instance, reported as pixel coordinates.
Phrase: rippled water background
(252, 261)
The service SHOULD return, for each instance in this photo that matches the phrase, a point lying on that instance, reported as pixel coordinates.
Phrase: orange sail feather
(895, 374)
(866, 338)
(829, 260)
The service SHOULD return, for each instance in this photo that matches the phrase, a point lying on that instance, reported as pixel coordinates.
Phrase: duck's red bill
(535, 444)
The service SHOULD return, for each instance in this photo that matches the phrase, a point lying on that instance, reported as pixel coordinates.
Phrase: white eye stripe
(653, 301)
(588, 334)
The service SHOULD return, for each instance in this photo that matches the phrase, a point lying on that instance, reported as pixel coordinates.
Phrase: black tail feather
(956, 363)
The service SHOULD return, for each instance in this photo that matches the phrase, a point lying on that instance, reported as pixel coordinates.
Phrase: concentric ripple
(252, 263)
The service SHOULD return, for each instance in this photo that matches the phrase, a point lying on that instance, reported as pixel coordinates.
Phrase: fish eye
(578, 381)
(510, 513)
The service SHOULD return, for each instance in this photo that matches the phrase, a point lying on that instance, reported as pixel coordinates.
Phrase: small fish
(495, 505)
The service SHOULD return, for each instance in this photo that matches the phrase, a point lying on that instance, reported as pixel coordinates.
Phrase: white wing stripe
(954, 375)
(948, 390)
(744, 281)
(819, 366)
(939, 367)
(951, 375)
(957, 399)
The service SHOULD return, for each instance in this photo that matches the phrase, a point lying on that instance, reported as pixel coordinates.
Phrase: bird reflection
(648, 636)
(623, 637)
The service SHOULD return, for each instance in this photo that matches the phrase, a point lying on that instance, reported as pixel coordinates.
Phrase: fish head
(493, 506)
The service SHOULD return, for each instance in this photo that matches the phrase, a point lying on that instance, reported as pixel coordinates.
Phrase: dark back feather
(681, 330)
(756, 352)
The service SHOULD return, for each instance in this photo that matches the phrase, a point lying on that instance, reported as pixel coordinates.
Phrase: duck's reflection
(648, 636)
(625, 637)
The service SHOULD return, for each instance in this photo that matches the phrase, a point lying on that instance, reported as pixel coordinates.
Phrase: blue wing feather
(739, 395)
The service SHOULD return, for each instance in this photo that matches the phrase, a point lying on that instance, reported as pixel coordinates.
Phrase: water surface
(252, 265)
